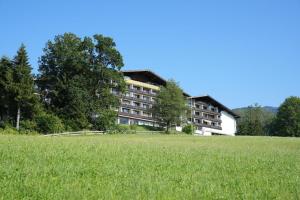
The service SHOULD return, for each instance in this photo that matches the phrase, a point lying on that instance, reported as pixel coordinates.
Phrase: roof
(207, 98)
(153, 76)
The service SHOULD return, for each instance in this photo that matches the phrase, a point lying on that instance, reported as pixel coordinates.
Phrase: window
(126, 102)
(197, 106)
(125, 110)
(114, 91)
(135, 112)
(154, 92)
(124, 120)
(205, 107)
(137, 104)
(146, 98)
(127, 94)
(205, 122)
(128, 87)
(136, 87)
(137, 96)
(197, 113)
(146, 90)
(146, 114)
(146, 106)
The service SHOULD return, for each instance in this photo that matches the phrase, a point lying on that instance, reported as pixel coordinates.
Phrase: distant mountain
(271, 109)
(267, 109)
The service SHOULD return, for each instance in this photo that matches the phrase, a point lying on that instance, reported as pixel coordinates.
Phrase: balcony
(207, 118)
(141, 91)
(208, 126)
(134, 107)
(138, 99)
(135, 116)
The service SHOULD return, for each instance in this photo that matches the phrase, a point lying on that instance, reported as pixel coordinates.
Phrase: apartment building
(142, 87)
(207, 115)
(211, 117)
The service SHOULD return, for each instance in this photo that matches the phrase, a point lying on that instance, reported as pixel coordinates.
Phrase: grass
(149, 167)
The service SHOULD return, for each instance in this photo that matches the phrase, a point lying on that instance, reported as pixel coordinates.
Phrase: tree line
(286, 122)
(72, 90)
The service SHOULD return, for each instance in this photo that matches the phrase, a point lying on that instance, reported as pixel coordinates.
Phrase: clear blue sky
(239, 52)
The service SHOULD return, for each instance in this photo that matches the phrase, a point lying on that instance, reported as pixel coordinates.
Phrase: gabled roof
(151, 75)
(209, 99)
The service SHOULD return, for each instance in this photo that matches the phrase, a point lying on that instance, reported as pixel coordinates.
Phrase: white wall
(228, 126)
(228, 123)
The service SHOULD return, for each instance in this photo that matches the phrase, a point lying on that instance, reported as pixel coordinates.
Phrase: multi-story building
(208, 115)
(211, 117)
(142, 87)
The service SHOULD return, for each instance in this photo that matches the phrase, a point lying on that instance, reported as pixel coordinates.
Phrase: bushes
(9, 130)
(49, 123)
(123, 129)
(188, 129)
(43, 123)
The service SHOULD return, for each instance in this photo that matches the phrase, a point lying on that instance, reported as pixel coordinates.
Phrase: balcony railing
(134, 107)
(208, 126)
(142, 92)
(207, 118)
(136, 116)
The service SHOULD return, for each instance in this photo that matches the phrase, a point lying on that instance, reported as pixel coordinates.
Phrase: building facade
(211, 117)
(207, 115)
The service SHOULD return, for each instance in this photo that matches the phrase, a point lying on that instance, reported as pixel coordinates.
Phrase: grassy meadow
(149, 167)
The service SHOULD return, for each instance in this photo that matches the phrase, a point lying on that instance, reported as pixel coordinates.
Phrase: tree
(170, 105)
(287, 122)
(254, 121)
(6, 69)
(22, 86)
(76, 78)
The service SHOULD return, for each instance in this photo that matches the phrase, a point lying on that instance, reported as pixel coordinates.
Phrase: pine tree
(23, 83)
(6, 67)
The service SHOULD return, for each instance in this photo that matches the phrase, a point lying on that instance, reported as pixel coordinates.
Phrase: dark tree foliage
(170, 105)
(254, 121)
(76, 78)
(23, 86)
(287, 122)
(6, 74)
(18, 100)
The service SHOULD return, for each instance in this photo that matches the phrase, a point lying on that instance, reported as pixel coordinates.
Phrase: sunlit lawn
(149, 167)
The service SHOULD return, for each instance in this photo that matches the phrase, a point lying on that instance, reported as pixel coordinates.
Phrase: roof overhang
(153, 76)
(209, 99)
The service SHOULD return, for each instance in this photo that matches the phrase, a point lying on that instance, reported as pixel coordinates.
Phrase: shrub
(49, 123)
(188, 129)
(9, 130)
(122, 129)
(28, 125)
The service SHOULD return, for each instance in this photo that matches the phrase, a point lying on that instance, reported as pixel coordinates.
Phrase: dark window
(124, 120)
(125, 110)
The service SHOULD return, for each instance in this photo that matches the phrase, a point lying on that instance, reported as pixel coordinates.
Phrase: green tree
(6, 72)
(76, 78)
(252, 121)
(22, 86)
(287, 122)
(170, 105)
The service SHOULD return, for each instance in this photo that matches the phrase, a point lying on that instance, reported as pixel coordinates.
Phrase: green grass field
(149, 167)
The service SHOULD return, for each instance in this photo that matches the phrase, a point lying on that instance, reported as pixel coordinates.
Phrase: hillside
(269, 110)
